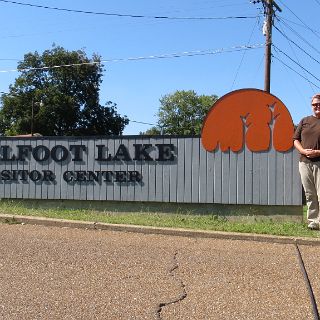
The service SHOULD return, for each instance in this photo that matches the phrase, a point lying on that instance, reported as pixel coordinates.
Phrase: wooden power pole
(267, 30)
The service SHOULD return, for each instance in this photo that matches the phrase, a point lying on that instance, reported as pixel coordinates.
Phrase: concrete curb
(6, 218)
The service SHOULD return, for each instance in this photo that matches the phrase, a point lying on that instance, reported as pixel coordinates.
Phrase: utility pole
(267, 30)
(269, 11)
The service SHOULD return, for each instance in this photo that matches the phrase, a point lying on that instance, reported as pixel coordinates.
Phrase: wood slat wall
(195, 176)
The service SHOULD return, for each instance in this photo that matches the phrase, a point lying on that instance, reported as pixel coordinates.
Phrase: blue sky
(137, 85)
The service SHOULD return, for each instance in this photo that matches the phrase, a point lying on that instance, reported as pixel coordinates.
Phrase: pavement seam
(182, 295)
(308, 284)
(16, 219)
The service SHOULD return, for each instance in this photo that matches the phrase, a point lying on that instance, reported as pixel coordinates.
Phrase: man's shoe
(313, 225)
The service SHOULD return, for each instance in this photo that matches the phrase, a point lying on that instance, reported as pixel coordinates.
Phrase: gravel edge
(16, 219)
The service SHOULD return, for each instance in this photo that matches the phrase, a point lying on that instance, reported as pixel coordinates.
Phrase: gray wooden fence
(171, 169)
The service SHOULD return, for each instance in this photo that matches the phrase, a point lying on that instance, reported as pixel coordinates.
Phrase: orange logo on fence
(249, 116)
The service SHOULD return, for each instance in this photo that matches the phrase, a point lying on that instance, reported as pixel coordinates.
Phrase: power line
(290, 44)
(295, 71)
(149, 124)
(299, 36)
(300, 20)
(241, 62)
(207, 6)
(163, 56)
(285, 36)
(296, 62)
(189, 53)
(125, 15)
(298, 24)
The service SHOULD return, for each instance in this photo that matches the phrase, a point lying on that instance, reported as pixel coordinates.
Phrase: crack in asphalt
(182, 295)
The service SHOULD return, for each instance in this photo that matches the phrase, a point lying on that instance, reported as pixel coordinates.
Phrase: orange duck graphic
(249, 116)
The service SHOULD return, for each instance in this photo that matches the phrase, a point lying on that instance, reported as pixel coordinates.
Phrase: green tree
(70, 96)
(183, 112)
(152, 131)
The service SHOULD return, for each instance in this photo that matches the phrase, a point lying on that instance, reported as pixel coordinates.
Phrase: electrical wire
(243, 55)
(125, 15)
(290, 44)
(149, 124)
(255, 75)
(297, 24)
(299, 19)
(205, 6)
(298, 88)
(295, 71)
(164, 56)
(299, 36)
(291, 41)
(303, 68)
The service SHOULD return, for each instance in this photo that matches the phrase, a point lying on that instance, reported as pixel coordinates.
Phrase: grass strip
(185, 220)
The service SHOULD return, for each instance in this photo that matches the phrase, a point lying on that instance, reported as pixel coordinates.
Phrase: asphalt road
(65, 273)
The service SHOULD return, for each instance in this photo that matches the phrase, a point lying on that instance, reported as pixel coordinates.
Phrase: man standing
(307, 142)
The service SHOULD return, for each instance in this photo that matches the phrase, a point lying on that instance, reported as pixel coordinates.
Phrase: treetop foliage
(69, 95)
(183, 112)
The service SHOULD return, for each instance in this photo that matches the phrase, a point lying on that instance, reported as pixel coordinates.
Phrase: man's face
(316, 107)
